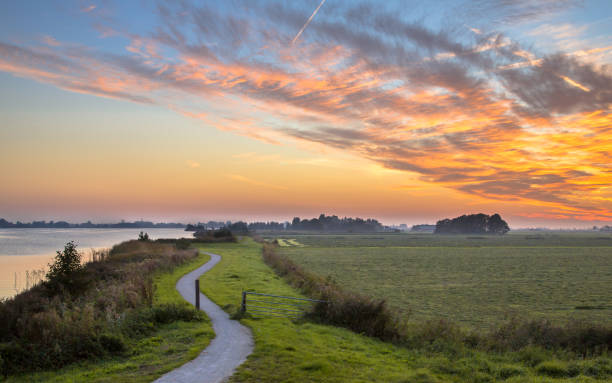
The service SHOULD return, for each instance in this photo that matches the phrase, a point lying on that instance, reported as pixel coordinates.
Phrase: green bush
(171, 312)
(183, 243)
(532, 356)
(66, 263)
(582, 338)
(507, 371)
(600, 368)
(113, 344)
(553, 368)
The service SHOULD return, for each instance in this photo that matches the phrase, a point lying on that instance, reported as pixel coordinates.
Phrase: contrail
(307, 22)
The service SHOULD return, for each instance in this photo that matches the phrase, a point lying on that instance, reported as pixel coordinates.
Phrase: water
(25, 250)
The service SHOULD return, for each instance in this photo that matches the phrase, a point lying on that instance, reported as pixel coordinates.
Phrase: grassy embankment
(160, 349)
(288, 351)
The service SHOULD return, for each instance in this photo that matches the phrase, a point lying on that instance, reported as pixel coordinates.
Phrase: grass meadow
(473, 281)
(303, 351)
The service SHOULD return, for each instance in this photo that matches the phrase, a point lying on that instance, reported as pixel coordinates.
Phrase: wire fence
(268, 305)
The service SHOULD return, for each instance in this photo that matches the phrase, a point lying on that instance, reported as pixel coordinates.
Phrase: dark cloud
(543, 89)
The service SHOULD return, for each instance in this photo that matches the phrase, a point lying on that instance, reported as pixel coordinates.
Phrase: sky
(404, 111)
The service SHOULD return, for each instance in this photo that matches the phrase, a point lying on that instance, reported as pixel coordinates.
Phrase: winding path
(230, 347)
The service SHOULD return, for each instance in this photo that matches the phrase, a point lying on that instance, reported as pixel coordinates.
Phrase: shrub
(171, 312)
(183, 243)
(507, 371)
(65, 264)
(142, 236)
(532, 356)
(582, 338)
(211, 236)
(599, 368)
(112, 343)
(553, 368)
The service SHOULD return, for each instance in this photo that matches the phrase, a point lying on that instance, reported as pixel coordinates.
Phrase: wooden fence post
(197, 293)
(243, 307)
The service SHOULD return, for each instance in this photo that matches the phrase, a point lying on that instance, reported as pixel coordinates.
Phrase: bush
(112, 343)
(532, 356)
(553, 368)
(507, 371)
(66, 263)
(600, 368)
(142, 236)
(212, 236)
(582, 338)
(183, 243)
(171, 312)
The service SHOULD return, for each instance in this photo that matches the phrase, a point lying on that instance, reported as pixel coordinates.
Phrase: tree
(473, 224)
(143, 236)
(66, 263)
(497, 225)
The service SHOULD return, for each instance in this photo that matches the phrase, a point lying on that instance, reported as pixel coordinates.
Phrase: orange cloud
(465, 116)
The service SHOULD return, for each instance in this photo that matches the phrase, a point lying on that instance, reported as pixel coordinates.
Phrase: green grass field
(473, 281)
(300, 351)
(169, 347)
(512, 239)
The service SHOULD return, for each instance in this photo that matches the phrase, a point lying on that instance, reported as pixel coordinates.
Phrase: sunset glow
(266, 110)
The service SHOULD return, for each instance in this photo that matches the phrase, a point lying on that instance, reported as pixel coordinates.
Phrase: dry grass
(108, 302)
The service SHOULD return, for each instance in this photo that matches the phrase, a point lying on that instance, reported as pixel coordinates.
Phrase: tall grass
(107, 305)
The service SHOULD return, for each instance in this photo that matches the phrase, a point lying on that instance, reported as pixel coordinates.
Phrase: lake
(25, 250)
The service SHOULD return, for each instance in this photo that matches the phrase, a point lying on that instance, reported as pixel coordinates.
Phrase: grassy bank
(160, 349)
(287, 351)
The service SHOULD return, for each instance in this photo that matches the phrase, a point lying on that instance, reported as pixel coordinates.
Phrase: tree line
(473, 224)
(331, 223)
(4, 224)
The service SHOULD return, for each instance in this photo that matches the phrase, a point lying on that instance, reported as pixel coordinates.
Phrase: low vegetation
(214, 236)
(103, 309)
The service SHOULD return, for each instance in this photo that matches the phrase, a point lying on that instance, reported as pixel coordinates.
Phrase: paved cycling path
(230, 347)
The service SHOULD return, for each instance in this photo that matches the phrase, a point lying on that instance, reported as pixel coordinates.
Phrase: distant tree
(143, 236)
(238, 227)
(496, 225)
(219, 235)
(66, 263)
(473, 224)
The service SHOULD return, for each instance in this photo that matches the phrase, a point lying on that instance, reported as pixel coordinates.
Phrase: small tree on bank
(66, 263)
(143, 236)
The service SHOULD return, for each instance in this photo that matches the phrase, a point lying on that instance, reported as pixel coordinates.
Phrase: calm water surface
(25, 250)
